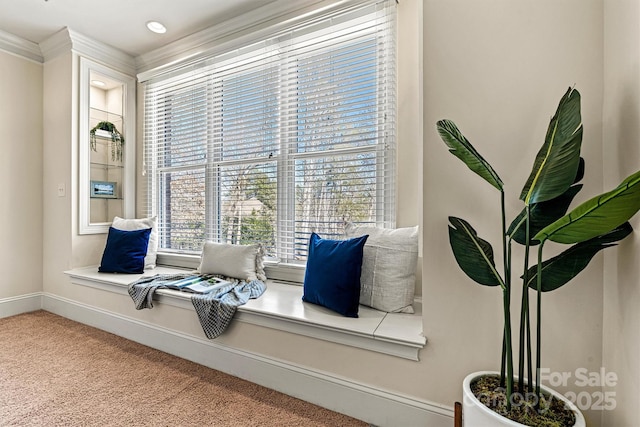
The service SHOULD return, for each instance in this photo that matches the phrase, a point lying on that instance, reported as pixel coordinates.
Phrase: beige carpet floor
(56, 372)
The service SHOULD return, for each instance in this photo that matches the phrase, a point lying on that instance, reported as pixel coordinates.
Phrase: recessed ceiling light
(156, 27)
(99, 83)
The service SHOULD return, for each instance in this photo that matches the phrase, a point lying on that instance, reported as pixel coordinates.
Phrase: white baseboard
(378, 407)
(20, 304)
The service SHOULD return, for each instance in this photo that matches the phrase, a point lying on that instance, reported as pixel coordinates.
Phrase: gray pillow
(244, 262)
(388, 278)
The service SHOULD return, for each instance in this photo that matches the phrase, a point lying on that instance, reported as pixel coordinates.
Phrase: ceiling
(119, 23)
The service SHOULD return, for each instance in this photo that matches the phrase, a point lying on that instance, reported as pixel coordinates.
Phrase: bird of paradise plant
(594, 225)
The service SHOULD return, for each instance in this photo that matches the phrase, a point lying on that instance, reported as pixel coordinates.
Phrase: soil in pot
(552, 412)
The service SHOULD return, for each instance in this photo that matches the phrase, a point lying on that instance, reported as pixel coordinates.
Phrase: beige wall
(498, 69)
(58, 168)
(621, 151)
(409, 128)
(20, 175)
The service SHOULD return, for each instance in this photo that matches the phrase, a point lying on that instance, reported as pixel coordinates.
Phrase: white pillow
(244, 262)
(141, 224)
(388, 279)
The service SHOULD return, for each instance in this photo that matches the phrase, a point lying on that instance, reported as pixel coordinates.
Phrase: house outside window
(289, 134)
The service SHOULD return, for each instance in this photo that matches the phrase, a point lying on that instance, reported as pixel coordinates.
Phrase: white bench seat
(281, 307)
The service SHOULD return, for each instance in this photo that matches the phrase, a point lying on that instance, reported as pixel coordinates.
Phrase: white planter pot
(475, 414)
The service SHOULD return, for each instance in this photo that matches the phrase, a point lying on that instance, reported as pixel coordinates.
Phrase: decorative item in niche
(103, 189)
(117, 140)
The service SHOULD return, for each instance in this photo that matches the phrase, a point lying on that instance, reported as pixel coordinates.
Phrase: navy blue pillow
(125, 251)
(332, 277)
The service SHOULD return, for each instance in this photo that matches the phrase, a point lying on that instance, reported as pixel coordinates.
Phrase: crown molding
(68, 39)
(18, 46)
(200, 44)
(56, 45)
(187, 49)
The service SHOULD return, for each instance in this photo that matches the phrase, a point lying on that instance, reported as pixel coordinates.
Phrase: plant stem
(504, 362)
(506, 295)
(539, 323)
(525, 326)
(503, 359)
(507, 342)
(529, 358)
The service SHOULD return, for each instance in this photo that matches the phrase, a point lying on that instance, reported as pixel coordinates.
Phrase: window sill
(281, 307)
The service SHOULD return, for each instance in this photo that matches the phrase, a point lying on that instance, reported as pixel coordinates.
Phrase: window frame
(284, 270)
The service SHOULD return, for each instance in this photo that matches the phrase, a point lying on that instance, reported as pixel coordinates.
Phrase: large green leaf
(460, 147)
(596, 216)
(580, 173)
(559, 270)
(544, 213)
(474, 255)
(558, 160)
(540, 215)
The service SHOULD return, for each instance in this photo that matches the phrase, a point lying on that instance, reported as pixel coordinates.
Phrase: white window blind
(290, 134)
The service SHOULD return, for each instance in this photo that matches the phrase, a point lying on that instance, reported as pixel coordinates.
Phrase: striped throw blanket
(215, 309)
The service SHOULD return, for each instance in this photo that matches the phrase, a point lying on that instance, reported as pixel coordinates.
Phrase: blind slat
(288, 135)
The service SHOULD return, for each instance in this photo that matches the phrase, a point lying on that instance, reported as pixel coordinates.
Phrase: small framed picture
(103, 189)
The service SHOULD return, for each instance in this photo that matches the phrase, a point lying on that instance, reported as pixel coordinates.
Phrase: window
(287, 135)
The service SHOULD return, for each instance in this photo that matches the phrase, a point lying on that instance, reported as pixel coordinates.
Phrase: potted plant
(512, 399)
(117, 140)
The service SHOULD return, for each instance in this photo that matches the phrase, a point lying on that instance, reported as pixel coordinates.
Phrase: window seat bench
(281, 307)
